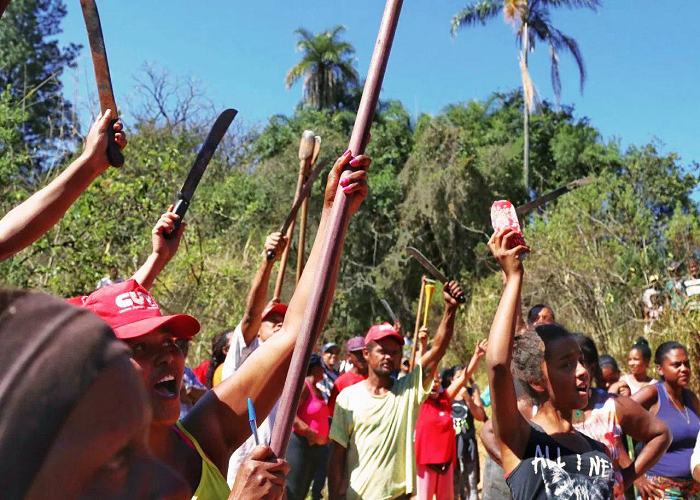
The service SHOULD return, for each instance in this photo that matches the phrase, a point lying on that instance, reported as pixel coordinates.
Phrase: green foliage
(31, 65)
(432, 184)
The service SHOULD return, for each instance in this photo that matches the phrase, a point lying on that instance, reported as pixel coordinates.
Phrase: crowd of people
(97, 400)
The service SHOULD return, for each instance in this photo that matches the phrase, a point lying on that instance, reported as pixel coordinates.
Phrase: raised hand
(95, 150)
(354, 184)
(261, 475)
(164, 248)
(450, 291)
(507, 257)
(480, 348)
(275, 242)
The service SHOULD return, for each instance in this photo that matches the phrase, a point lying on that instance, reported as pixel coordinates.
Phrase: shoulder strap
(190, 440)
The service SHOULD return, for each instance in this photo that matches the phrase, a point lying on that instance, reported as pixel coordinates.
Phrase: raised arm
(263, 374)
(257, 296)
(645, 428)
(431, 359)
(163, 249)
(33, 218)
(476, 406)
(465, 375)
(510, 428)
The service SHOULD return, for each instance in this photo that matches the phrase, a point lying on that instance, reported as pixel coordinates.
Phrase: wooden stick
(306, 151)
(320, 297)
(416, 329)
(301, 247)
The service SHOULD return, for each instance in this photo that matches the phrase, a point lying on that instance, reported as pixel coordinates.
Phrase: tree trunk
(526, 122)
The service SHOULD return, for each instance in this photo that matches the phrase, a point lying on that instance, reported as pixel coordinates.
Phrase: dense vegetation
(432, 183)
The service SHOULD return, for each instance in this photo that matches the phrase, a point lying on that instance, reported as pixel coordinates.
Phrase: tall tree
(532, 21)
(31, 65)
(327, 67)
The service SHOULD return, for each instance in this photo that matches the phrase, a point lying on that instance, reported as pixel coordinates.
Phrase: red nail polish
(346, 189)
(344, 181)
(354, 162)
(347, 152)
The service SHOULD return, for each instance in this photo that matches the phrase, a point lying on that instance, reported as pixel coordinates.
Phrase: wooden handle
(321, 294)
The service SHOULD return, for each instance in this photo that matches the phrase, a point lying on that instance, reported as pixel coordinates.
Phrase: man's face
(330, 357)
(358, 360)
(693, 268)
(545, 317)
(271, 324)
(384, 356)
(113, 273)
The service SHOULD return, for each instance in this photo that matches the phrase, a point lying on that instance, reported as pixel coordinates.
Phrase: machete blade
(434, 271)
(200, 165)
(389, 310)
(553, 195)
(102, 75)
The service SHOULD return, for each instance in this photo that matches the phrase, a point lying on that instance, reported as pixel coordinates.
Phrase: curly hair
(530, 351)
(218, 344)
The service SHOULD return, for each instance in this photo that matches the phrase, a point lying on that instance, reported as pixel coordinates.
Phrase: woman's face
(102, 450)
(636, 362)
(610, 376)
(676, 368)
(544, 317)
(566, 376)
(435, 389)
(161, 365)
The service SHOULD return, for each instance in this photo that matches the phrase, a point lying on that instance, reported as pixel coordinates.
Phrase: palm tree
(532, 22)
(327, 66)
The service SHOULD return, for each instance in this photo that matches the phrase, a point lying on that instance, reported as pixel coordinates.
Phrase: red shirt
(201, 371)
(345, 380)
(435, 433)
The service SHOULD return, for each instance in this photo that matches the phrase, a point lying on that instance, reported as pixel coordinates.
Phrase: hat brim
(181, 326)
(277, 308)
(386, 335)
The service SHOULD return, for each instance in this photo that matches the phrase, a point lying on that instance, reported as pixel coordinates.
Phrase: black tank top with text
(551, 471)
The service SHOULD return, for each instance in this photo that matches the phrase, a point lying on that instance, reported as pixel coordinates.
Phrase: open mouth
(166, 387)
(582, 390)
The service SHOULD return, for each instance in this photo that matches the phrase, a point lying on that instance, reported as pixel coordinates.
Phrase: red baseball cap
(383, 331)
(133, 312)
(275, 308)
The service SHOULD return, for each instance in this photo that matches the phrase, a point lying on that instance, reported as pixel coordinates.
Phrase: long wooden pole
(416, 329)
(3, 6)
(320, 298)
(301, 247)
(306, 151)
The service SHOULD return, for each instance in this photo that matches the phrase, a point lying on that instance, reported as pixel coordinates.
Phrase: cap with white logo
(133, 312)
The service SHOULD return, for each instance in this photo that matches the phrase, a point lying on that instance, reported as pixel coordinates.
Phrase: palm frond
(476, 13)
(560, 42)
(570, 4)
(296, 72)
(555, 75)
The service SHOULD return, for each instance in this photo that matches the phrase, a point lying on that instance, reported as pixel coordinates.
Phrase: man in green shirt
(374, 420)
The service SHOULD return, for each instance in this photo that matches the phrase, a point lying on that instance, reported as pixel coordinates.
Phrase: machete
(538, 202)
(297, 204)
(431, 269)
(102, 76)
(199, 166)
(390, 311)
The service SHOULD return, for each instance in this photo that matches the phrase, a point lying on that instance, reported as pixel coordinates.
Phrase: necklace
(686, 415)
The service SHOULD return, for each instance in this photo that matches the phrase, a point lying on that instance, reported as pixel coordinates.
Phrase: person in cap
(199, 446)
(374, 421)
(35, 216)
(308, 440)
(357, 372)
(74, 419)
(329, 362)
(261, 320)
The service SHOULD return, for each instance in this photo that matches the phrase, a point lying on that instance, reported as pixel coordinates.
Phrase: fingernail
(347, 152)
(354, 162)
(346, 189)
(344, 181)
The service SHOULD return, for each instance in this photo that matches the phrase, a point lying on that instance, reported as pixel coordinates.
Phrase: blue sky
(641, 55)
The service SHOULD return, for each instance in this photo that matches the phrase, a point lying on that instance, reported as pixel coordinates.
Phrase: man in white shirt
(259, 323)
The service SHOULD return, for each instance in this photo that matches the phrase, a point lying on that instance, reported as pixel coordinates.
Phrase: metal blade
(302, 195)
(99, 56)
(389, 310)
(205, 153)
(553, 195)
(427, 264)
